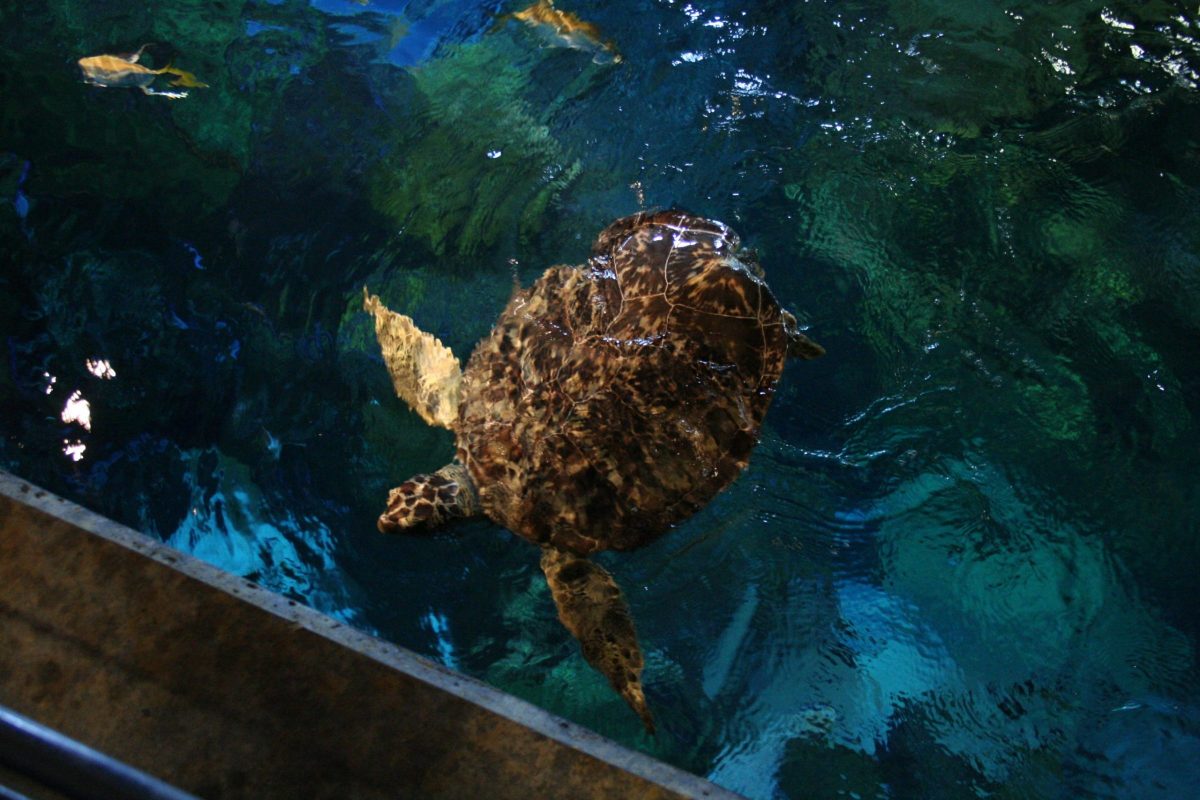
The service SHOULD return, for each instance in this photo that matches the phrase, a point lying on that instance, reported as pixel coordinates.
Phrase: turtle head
(799, 345)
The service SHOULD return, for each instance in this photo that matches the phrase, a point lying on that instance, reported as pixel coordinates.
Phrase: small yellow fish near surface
(567, 30)
(123, 71)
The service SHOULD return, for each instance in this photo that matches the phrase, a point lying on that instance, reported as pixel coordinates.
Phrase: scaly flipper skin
(592, 608)
(424, 371)
(430, 500)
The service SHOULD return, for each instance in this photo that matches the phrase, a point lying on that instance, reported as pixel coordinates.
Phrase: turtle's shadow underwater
(610, 402)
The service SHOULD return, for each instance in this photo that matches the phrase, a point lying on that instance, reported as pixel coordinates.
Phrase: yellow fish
(565, 29)
(123, 71)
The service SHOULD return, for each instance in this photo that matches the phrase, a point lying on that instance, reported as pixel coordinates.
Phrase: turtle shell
(613, 400)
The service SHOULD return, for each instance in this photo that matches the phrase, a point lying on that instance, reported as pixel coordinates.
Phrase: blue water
(963, 560)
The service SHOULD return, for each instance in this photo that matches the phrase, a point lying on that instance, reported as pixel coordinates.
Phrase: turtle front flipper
(430, 500)
(425, 373)
(592, 608)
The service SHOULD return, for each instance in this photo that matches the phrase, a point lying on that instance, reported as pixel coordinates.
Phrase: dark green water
(963, 560)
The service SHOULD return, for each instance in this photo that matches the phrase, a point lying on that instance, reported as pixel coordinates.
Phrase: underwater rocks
(480, 167)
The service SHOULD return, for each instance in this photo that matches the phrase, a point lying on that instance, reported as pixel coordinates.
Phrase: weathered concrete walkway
(229, 691)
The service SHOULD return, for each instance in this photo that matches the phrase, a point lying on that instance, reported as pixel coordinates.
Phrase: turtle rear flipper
(592, 608)
(430, 500)
(425, 373)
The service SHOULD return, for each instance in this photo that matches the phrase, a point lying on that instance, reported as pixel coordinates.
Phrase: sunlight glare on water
(962, 560)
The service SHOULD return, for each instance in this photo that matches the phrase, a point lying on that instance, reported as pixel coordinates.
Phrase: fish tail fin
(182, 77)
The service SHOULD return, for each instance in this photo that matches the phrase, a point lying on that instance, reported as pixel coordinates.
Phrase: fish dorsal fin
(425, 373)
(133, 57)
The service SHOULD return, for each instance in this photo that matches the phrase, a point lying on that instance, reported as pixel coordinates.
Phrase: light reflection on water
(963, 559)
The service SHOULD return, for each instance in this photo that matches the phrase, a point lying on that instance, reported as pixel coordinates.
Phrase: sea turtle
(608, 403)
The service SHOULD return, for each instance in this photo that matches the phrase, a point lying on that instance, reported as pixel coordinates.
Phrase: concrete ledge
(228, 691)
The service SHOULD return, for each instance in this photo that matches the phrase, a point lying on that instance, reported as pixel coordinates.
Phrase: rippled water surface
(963, 560)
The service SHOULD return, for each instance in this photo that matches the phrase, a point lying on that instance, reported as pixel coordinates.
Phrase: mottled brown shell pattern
(613, 400)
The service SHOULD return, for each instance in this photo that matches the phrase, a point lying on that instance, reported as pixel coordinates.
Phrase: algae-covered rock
(1007, 256)
(481, 166)
(830, 771)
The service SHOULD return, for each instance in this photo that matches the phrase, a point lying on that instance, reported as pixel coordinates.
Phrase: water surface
(962, 562)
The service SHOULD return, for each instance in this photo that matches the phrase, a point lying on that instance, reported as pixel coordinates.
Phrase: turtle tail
(430, 500)
(593, 609)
